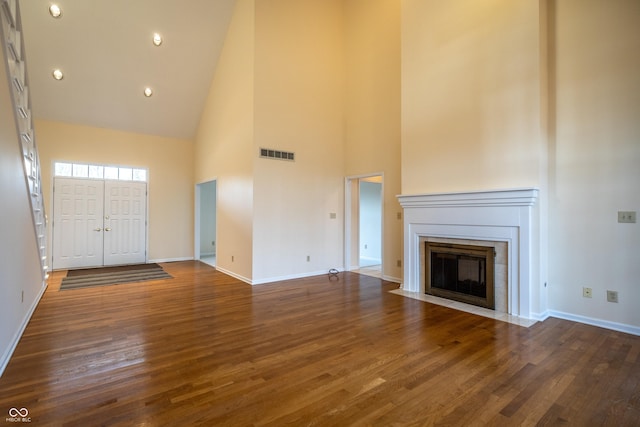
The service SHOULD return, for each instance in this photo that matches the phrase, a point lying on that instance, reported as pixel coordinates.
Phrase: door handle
(97, 229)
(107, 229)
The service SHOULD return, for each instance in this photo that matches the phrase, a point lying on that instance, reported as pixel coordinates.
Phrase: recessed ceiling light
(55, 11)
(57, 74)
(157, 39)
(148, 92)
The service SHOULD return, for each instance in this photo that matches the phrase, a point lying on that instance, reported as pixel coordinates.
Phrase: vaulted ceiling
(105, 50)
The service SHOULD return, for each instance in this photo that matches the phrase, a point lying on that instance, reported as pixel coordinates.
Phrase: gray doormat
(112, 276)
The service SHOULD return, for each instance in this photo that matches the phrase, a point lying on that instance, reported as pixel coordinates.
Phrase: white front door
(77, 223)
(125, 216)
(98, 223)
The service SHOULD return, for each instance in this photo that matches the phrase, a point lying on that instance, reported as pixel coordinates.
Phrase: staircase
(14, 53)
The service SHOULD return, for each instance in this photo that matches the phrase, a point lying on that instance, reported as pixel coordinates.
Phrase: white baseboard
(305, 275)
(392, 279)
(540, 317)
(4, 361)
(170, 259)
(272, 279)
(290, 277)
(621, 327)
(234, 275)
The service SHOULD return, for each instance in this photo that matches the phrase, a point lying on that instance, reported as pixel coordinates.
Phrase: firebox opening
(460, 272)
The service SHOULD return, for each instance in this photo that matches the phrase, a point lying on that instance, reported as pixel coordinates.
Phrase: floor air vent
(276, 154)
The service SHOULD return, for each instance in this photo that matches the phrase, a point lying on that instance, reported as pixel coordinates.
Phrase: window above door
(82, 170)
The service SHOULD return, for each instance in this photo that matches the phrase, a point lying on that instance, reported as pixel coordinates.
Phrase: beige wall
(595, 158)
(372, 109)
(470, 95)
(170, 176)
(224, 144)
(278, 85)
(299, 76)
(21, 277)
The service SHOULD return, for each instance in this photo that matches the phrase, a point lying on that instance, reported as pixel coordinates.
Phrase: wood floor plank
(206, 349)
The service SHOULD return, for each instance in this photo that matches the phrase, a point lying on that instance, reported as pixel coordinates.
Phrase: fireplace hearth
(460, 272)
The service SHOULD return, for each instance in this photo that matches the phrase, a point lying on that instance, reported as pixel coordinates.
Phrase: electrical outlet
(587, 292)
(308, 258)
(399, 263)
(628, 217)
(399, 215)
(612, 296)
(232, 258)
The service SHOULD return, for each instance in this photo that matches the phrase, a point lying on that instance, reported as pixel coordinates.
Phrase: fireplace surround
(506, 219)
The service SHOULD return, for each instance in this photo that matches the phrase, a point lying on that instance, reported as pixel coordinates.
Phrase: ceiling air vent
(268, 153)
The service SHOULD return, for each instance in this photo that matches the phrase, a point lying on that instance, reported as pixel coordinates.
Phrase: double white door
(98, 223)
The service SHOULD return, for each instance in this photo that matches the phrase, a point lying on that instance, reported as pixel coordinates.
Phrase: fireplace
(506, 220)
(460, 272)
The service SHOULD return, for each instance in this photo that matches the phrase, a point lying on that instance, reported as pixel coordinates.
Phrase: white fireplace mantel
(509, 216)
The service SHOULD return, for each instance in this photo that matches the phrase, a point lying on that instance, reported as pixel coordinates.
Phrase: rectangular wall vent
(277, 154)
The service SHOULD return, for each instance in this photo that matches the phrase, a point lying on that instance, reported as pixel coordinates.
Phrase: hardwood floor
(206, 349)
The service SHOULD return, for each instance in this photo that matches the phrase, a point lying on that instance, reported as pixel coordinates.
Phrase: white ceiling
(105, 49)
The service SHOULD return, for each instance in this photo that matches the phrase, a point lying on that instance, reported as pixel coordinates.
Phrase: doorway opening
(364, 224)
(205, 222)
